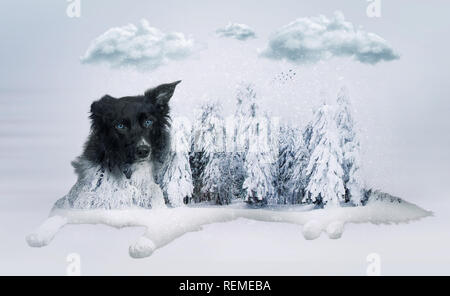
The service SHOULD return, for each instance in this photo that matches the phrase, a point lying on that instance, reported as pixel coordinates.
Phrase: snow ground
(164, 225)
(240, 247)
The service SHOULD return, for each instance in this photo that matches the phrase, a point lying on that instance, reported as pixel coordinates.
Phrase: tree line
(251, 156)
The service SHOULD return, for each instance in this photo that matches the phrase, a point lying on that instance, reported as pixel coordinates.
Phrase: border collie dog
(124, 154)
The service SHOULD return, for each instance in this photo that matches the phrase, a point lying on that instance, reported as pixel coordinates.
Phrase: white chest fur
(101, 189)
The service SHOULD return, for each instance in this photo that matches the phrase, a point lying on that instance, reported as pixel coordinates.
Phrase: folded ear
(161, 94)
(100, 107)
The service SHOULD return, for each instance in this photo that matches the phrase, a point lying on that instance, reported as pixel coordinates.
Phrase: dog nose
(143, 151)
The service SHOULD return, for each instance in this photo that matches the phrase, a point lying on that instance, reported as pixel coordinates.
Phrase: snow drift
(163, 225)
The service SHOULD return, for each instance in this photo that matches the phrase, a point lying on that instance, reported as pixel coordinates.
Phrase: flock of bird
(285, 77)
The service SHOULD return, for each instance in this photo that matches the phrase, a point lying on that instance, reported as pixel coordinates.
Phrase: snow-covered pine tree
(301, 155)
(286, 164)
(324, 171)
(271, 145)
(210, 141)
(350, 144)
(196, 159)
(197, 167)
(237, 173)
(355, 184)
(177, 178)
(246, 107)
(237, 149)
(259, 181)
(259, 163)
(217, 182)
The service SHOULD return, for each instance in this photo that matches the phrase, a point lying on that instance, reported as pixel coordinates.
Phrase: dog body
(123, 156)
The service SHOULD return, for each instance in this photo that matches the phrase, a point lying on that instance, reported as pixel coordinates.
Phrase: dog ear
(99, 107)
(161, 94)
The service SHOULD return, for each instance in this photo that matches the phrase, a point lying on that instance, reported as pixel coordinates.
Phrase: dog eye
(148, 123)
(120, 126)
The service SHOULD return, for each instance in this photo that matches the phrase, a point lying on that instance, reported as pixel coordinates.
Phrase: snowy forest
(254, 158)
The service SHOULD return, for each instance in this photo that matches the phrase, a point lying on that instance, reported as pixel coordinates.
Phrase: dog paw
(144, 247)
(311, 230)
(335, 229)
(46, 232)
(36, 241)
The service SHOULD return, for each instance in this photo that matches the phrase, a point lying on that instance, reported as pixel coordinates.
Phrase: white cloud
(141, 47)
(237, 31)
(309, 40)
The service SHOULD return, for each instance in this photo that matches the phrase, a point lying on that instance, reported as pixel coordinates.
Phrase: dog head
(129, 130)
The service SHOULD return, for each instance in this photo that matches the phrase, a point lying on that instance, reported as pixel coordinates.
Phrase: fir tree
(245, 107)
(210, 137)
(217, 178)
(197, 167)
(324, 171)
(286, 165)
(301, 156)
(259, 163)
(351, 148)
(177, 178)
(272, 132)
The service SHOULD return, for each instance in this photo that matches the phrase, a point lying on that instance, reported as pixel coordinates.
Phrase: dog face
(130, 129)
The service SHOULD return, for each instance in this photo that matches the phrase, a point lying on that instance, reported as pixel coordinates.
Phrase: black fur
(118, 126)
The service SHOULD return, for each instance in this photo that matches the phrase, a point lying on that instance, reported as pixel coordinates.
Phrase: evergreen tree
(259, 163)
(324, 171)
(217, 182)
(349, 142)
(177, 178)
(237, 173)
(210, 142)
(301, 156)
(257, 183)
(271, 144)
(286, 165)
(197, 167)
(245, 107)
